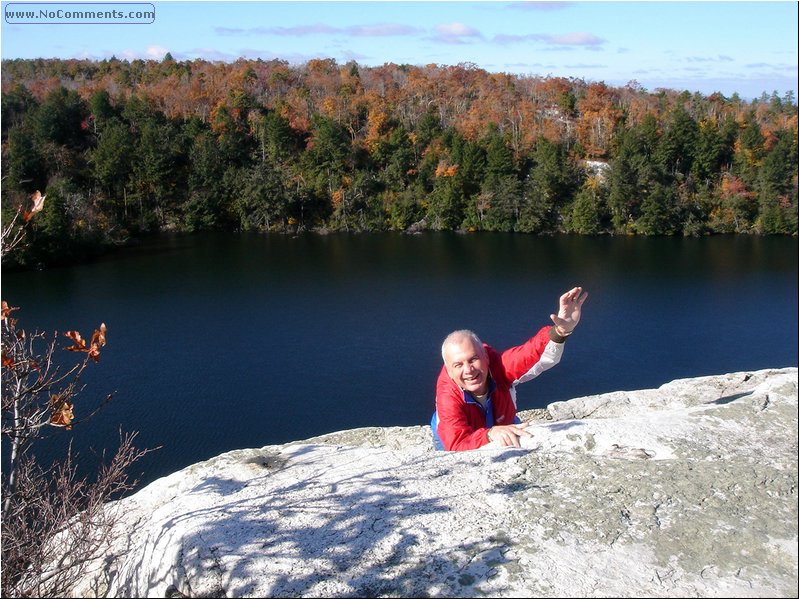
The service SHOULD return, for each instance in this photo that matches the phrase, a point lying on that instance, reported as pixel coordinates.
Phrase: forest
(122, 149)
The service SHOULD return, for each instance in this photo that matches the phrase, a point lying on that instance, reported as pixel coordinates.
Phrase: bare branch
(54, 523)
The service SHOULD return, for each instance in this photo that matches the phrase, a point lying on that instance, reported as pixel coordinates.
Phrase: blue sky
(744, 47)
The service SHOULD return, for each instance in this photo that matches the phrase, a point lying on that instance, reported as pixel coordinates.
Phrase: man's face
(467, 365)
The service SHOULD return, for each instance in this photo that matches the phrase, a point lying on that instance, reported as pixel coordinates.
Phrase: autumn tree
(351, 144)
(54, 520)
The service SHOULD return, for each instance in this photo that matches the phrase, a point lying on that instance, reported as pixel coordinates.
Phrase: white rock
(685, 490)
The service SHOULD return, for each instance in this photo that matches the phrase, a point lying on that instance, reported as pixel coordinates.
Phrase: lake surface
(221, 342)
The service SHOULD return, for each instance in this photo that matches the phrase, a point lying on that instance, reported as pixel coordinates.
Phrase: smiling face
(467, 364)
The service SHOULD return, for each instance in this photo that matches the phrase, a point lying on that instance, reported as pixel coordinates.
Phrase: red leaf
(80, 344)
(6, 310)
(62, 412)
(38, 204)
(98, 341)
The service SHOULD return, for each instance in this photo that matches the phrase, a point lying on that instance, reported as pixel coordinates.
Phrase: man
(476, 389)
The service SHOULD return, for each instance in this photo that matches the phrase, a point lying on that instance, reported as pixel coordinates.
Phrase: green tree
(394, 159)
(101, 110)
(138, 111)
(154, 167)
(428, 128)
(328, 158)
(777, 186)
(658, 212)
(111, 164)
(204, 208)
(234, 142)
(550, 186)
(585, 216)
(60, 119)
(750, 150)
(496, 207)
(632, 173)
(17, 102)
(537, 212)
(675, 151)
(498, 204)
(471, 161)
(25, 164)
(446, 204)
(262, 200)
(405, 209)
(278, 140)
(499, 157)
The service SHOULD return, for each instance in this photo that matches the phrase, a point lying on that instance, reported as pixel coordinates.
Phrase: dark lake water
(220, 342)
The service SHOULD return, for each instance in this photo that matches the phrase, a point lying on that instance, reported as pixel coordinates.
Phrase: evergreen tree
(262, 201)
(427, 130)
(777, 186)
(658, 212)
(549, 187)
(446, 204)
(537, 212)
(17, 102)
(154, 173)
(675, 150)
(500, 202)
(750, 150)
(26, 166)
(585, 215)
(60, 119)
(405, 209)
(101, 109)
(204, 208)
(111, 164)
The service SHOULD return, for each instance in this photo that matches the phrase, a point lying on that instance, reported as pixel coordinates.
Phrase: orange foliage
(444, 169)
(93, 349)
(38, 203)
(734, 187)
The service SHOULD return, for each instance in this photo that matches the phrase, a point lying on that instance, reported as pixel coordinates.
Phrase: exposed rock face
(685, 490)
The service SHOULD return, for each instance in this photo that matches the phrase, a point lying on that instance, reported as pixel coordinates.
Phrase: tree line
(125, 148)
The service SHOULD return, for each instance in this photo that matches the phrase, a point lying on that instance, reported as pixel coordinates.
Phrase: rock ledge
(685, 490)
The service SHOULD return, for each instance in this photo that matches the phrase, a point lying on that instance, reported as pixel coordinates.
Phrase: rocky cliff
(685, 490)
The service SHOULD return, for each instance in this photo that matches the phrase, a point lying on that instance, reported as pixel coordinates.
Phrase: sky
(718, 46)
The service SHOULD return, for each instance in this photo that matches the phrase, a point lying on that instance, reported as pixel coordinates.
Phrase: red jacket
(462, 423)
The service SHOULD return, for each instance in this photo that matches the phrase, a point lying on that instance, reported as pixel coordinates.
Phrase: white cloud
(576, 38)
(549, 5)
(455, 33)
(719, 58)
(381, 30)
(297, 30)
(586, 66)
(373, 30)
(155, 52)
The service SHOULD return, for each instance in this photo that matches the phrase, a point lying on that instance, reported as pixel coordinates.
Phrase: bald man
(476, 389)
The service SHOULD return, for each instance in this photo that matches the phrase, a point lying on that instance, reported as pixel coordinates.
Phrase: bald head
(457, 338)
(466, 361)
